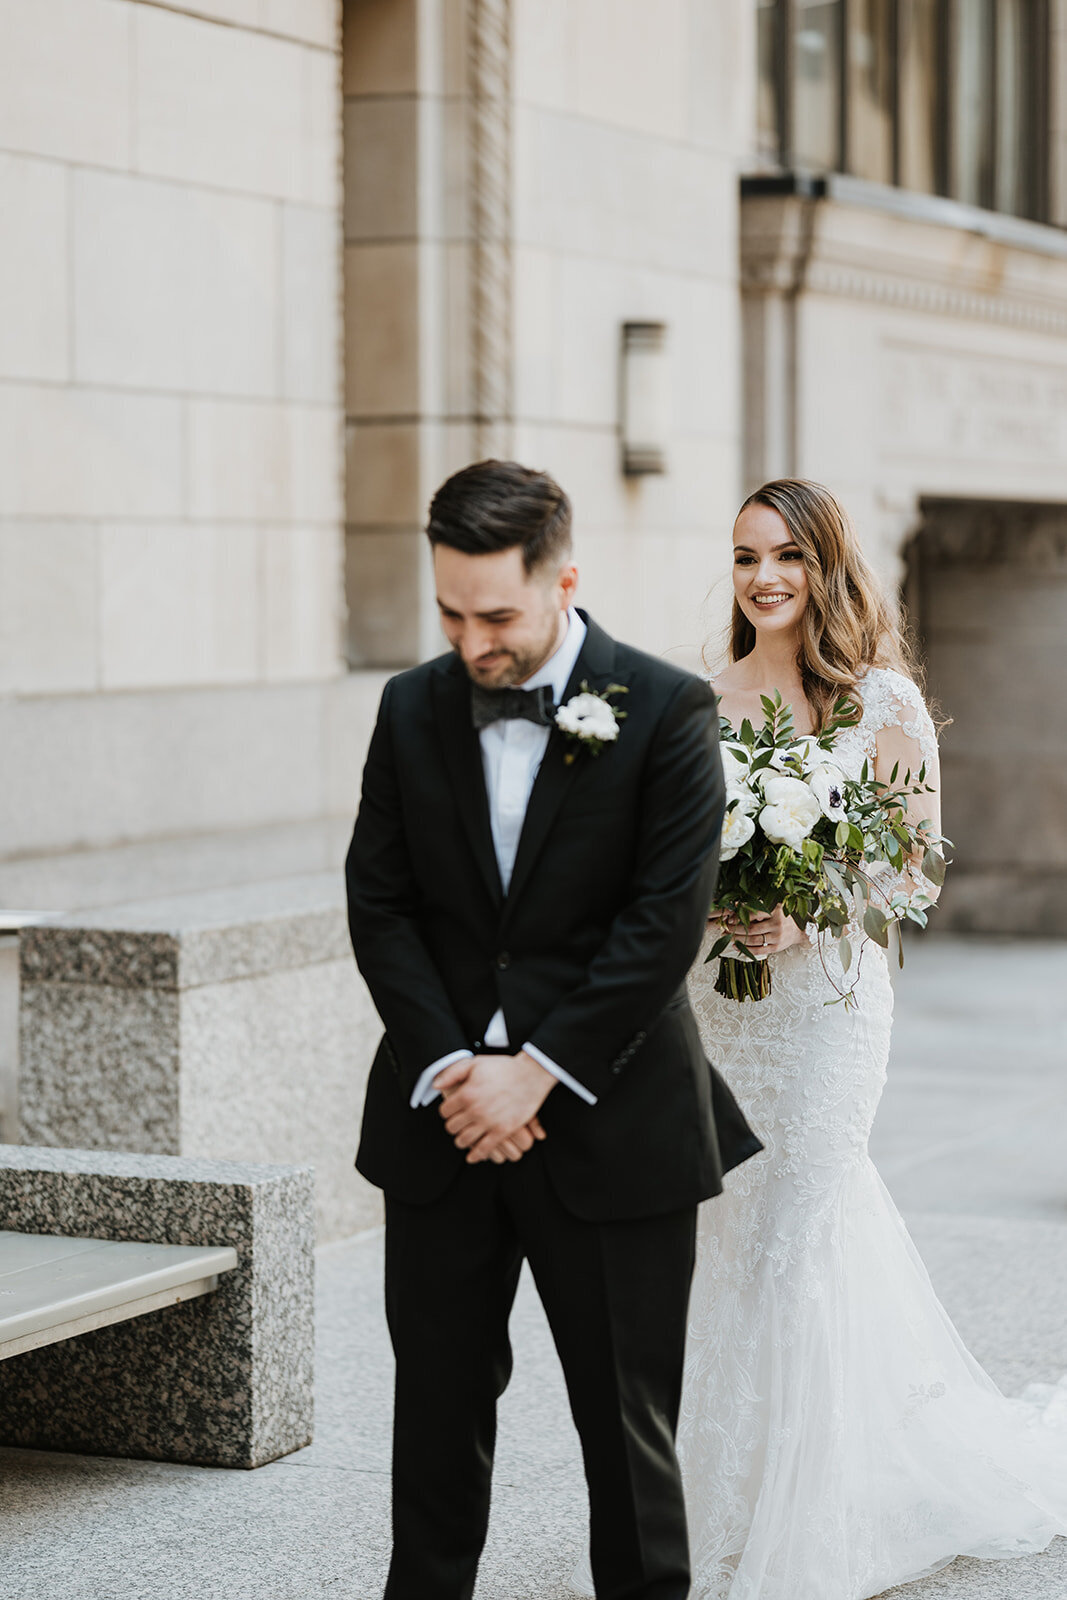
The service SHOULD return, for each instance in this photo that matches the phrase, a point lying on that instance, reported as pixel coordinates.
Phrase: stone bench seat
(54, 1288)
(114, 1345)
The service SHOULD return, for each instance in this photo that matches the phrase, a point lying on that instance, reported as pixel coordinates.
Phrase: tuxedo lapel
(463, 757)
(595, 666)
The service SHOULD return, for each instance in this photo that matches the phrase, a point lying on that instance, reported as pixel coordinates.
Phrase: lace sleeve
(903, 736)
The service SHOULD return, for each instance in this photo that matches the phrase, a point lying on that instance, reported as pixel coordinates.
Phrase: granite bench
(174, 1320)
(226, 1024)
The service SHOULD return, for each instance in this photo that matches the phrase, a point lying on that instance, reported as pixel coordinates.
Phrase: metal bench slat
(56, 1296)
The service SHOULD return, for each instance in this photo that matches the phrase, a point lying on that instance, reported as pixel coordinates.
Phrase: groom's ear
(567, 583)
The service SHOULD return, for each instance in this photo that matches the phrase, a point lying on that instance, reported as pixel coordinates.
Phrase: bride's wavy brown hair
(847, 624)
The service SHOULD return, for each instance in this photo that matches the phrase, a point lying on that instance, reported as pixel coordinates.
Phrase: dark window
(971, 102)
(816, 84)
(941, 96)
(869, 89)
(918, 94)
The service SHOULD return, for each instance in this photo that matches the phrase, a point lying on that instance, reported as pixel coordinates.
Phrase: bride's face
(770, 582)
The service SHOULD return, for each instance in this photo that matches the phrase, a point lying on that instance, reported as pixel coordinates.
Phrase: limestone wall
(170, 443)
(632, 124)
(521, 179)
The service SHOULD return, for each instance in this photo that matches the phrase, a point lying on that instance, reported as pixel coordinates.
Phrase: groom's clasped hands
(490, 1105)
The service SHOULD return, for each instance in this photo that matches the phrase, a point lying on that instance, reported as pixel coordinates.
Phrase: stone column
(776, 237)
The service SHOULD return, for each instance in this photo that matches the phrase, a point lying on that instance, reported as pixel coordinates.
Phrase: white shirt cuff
(424, 1091)
(557, 1072)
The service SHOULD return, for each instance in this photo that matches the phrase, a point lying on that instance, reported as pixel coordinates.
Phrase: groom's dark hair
(498, 505)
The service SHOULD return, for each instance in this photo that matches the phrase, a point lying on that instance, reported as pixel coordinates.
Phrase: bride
(836, 1436)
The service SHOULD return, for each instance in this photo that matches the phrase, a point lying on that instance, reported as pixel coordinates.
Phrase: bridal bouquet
(798, 833)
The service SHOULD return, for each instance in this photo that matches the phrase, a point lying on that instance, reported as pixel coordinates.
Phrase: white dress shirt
(512, 752)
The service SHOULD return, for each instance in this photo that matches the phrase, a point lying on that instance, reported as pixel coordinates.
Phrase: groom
(524, 903)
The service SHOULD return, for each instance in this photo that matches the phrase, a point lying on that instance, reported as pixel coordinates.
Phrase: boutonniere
(590, 720)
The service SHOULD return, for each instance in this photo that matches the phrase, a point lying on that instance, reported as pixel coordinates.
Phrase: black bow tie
(501, 705)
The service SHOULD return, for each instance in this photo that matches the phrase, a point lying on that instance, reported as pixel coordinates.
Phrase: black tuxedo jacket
(587, 953)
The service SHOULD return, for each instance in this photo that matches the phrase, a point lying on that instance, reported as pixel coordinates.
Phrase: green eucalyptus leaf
(875, 926)
(934, 867)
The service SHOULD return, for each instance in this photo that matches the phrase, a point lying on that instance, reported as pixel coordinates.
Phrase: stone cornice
(827, 242)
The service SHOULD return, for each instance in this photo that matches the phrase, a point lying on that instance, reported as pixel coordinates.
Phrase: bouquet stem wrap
(743, 980)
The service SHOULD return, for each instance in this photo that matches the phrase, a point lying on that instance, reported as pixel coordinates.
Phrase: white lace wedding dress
(836, 1436)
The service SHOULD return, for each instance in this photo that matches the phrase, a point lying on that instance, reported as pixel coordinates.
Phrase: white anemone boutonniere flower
(589, 720)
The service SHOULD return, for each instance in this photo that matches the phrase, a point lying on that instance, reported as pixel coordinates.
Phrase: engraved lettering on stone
(942, 404)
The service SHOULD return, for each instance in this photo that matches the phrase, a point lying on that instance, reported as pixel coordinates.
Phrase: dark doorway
(987, 591)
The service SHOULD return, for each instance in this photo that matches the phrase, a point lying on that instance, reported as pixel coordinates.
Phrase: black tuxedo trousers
(586, 955)
(615, 1294)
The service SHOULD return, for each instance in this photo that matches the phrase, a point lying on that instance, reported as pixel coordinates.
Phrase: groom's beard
(506, 669)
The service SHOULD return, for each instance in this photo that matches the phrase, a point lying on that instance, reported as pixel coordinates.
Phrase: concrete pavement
(970, 1139)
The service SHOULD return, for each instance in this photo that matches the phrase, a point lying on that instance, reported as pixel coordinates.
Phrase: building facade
(271, 269)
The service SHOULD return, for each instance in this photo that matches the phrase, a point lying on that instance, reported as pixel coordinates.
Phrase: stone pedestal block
(228, 1025)
(224, 1380)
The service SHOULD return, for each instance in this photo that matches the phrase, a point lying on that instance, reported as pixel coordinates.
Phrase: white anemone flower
(589, 717)
(828, 786)
(799, 756)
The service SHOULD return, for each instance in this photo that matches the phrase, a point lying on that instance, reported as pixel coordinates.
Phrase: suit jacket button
(503, 961)
(477, 1045)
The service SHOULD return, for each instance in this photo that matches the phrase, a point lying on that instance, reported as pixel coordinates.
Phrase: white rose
(589, 717)
(735, 759)
(779, 788)
(737, 829)
(739, 797)
(828, 786)
(791, 811)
